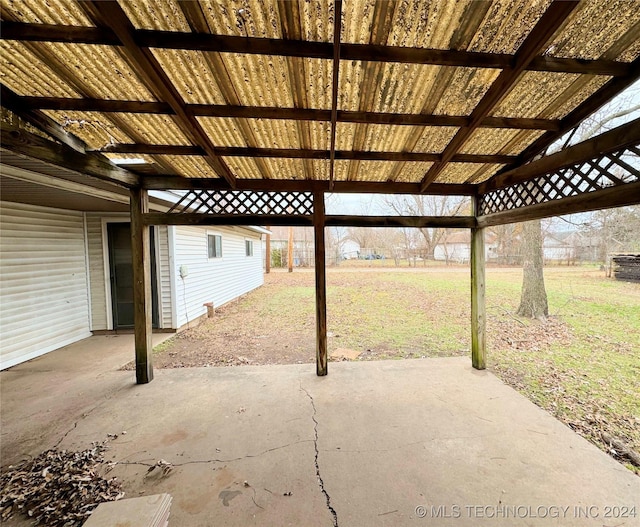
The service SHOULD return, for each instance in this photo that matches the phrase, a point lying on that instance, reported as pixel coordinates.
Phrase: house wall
(216, 280)
(101, 316)
(460, 252)
(43, 281)
(558, 253)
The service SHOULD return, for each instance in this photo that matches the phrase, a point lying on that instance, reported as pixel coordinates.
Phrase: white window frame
(248, 244)
(217, 257)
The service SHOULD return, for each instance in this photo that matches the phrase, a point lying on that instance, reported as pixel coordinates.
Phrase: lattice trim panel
(245, 203)
(610, 170)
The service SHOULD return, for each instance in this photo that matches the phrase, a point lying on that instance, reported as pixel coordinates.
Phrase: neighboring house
(559, 247)
(66, 272)
(456, 247)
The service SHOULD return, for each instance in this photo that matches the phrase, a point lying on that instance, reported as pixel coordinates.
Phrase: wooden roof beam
(30, 145)
(294, 114)
(337, 28)
(300, 153)
(543, 31)
(303, 48)
(611, 141)
(150, 71)
(289, 185)
(13, 102)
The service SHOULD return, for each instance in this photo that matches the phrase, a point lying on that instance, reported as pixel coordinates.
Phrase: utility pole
(290, 250)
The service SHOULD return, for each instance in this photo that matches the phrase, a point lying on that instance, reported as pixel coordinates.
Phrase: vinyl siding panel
(216, 280)
(43, 281)
(96, 273)
(164, 276)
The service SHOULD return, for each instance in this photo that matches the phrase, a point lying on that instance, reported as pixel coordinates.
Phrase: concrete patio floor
(368, 445)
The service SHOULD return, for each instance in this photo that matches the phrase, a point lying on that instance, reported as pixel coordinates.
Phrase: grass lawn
(582, 364)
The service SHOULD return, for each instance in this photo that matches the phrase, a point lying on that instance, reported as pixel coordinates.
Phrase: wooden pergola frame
(577, 178)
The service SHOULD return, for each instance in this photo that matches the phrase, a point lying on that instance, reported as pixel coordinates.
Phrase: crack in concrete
(214, 460)
(333, 512)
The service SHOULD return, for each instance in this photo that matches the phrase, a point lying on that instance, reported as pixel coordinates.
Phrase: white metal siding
(43, 283)
(216, 280)
(164, 275)
(96, 273)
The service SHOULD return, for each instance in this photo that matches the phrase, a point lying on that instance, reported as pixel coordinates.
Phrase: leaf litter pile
(59, 488)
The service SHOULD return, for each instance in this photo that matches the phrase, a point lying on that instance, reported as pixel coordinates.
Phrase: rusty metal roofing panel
(413, 172)
(378, 87)
(259, 80)
(284, 168)
(268, 133)
(409, 23)
(151, 14)
(263, 18)
(461, 172)
(544, 94)
(25, 74)
(595, 28)
(466, 88)
(244, 168)
(375, 171)
(499, 141)
(434, 138)
(393, 138)
(101, 69)
(95, 129)
(320, 170)
(222, 131)
(190, 166)
(63, 12)
(506, 24)
(191, 76)
(154, 129)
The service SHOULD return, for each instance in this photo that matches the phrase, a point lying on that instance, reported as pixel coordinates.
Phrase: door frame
(106, 259)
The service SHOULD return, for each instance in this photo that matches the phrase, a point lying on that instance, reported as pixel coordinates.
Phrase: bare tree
(415, 205)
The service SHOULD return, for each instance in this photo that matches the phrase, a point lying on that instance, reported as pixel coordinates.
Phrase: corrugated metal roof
(251, 77)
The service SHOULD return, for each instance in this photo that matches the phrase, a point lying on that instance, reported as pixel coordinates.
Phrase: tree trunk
(533, 302)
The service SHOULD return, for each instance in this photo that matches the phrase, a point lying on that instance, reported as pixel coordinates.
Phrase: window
(214, 243)
(248, 244)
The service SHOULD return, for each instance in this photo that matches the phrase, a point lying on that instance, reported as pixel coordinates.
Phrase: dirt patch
(372, 315)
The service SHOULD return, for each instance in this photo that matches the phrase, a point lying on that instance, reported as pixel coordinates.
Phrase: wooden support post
(267, 257)
(321, 284)
(140, 244)
(478, 315)
(290, 250)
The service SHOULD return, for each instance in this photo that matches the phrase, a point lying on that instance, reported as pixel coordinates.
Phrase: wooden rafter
(337, 28)
(30, 145)
(299, 153)
(181, 183)
(151, 72)
(293, 114)
(549, 23)
(13, 102)
(305, 49)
